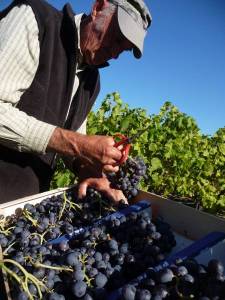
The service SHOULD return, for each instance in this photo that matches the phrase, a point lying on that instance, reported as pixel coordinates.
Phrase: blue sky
(183, 61)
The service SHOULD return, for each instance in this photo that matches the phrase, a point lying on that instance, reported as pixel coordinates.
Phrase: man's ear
(98, 6)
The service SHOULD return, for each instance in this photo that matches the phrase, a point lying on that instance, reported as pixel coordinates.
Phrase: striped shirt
(19, 59)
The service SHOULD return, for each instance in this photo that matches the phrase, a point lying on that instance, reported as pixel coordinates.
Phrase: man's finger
(110, 168)
(82, 189)
(116, 153)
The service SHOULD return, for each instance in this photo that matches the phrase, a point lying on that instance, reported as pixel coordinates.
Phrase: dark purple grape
(109, 271)
(50, 283)
(188, 278)
(63, 246)
(143, 295)
(106, 257)
(19, 257)
(100, 280)
(78, 275)
(113, 244)
(39, 273)
(71, 259)
(98, 256)
(161, 291)
(4, 242)
(124, 248)
(93, 272)
(100, 265)
(181, 271)
(215, 267)
(56, 296)
(165, 275)
(148, 283)
(22, 296)
(79, 288)
(87, 243)
(128, 292)
(32, 289)
(88, 297)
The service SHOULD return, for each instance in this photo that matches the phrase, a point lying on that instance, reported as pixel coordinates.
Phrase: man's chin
(95, 60)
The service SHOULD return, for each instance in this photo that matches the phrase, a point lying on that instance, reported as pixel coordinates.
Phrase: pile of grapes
(103, 256)
(183, 280)
(101, 259)
(129, 176)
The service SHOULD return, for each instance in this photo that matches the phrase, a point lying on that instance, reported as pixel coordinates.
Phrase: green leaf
(208, 169)
(222, 148)
(152, 147)
(155, 164)
(125, 123)
(117, 98)
(63, 180)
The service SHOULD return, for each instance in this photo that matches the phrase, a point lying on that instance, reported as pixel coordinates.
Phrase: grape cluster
(129, 176)
(90, 265)
(183, 280)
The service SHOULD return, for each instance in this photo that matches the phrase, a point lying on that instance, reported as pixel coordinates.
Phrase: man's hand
(102, 185)
(94, 149)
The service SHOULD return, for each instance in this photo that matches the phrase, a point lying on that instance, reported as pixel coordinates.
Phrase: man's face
(103, 39)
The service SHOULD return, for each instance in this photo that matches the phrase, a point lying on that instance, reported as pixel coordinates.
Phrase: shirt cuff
(37, 137)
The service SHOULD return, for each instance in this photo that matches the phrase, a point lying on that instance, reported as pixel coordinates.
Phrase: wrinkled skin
(95, 150)
(101, 38)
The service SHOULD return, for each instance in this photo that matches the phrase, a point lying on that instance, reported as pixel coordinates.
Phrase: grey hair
(107, 11)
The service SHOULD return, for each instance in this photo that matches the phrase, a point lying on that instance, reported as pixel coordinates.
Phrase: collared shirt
(19, 59)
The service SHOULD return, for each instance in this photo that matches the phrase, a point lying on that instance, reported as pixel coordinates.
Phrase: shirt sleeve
(19, 58)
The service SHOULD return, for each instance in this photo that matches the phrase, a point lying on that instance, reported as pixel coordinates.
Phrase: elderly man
(49, 80)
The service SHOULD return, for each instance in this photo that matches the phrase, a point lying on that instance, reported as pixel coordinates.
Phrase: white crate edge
(9, 208)
(185, 220)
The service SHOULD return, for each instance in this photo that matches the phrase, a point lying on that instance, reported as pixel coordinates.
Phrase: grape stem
(6, 250)
(40, 265)
(72, 205)
(27, 215)
(27, 277)
(3, 224)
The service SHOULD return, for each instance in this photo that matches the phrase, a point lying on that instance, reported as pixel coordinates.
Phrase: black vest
(48, 97)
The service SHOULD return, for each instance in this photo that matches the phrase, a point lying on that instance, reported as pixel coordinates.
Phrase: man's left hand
(102, 185)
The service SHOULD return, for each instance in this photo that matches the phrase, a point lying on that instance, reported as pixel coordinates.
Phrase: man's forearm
(92, 149)
(64, 142)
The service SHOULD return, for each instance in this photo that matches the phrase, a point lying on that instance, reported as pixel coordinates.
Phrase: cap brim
(132, 30)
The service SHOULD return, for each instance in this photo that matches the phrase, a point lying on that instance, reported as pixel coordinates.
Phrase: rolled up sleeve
(19, 58)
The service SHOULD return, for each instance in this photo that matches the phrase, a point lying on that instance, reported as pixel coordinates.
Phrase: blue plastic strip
(193, 250)
(138, 207)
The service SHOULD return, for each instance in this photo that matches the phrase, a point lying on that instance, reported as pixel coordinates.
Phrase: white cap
(134, 18)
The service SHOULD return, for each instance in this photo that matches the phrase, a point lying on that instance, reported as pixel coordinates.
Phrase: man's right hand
(94, 149)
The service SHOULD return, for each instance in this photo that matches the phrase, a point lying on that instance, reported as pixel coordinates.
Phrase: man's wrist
(64, 142)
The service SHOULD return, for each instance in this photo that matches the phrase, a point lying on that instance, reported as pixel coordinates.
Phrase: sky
(183, 61)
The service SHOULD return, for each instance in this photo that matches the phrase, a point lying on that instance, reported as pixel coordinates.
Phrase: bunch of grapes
(183, 280)
(129, 176)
